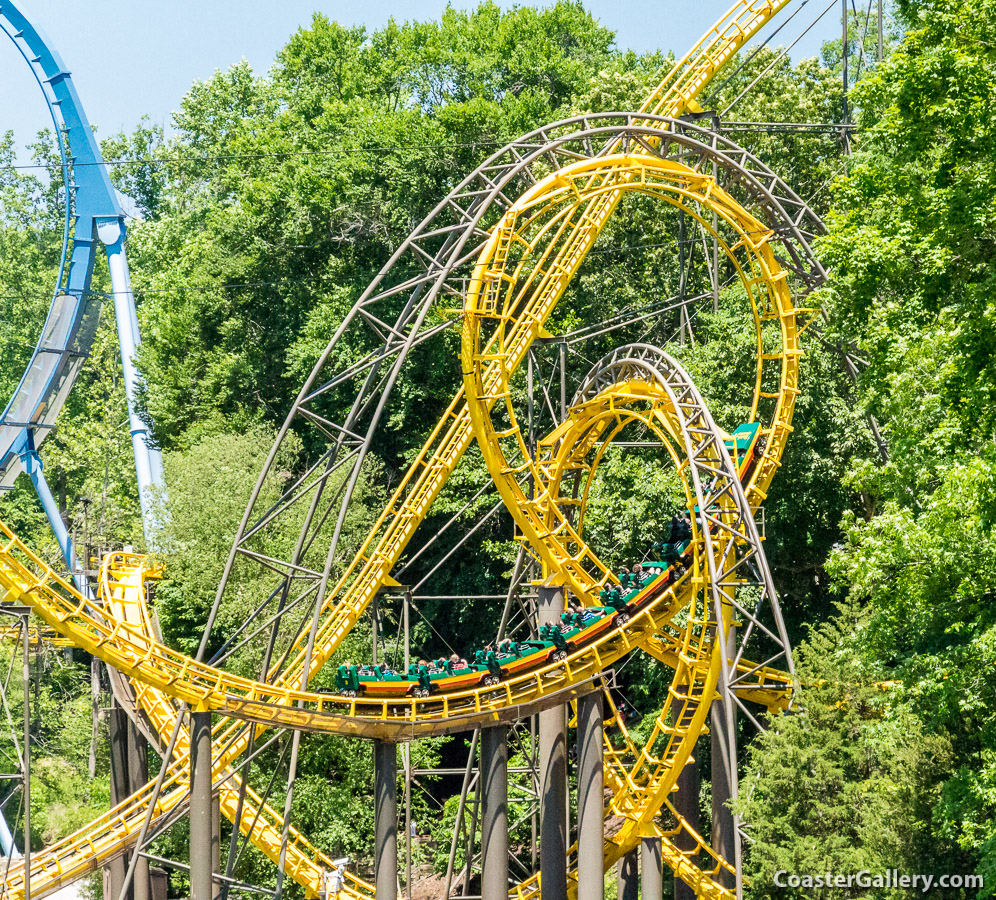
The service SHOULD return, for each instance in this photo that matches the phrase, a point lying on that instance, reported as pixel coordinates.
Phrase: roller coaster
(491, 262)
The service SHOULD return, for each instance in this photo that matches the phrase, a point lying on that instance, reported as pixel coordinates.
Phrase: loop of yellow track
(514, 295)
(159, 674)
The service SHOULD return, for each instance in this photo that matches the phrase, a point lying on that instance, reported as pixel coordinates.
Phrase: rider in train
(578, 625)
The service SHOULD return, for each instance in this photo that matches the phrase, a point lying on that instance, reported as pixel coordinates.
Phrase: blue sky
(135, 57)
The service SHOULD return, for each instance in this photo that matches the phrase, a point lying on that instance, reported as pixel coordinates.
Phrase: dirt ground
(430, 888)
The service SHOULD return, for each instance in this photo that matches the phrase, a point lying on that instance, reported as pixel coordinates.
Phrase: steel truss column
(494, 813)
(591, 881)
(386, 819)
(553, 771)
(201, 880)
(628, 884)
(652, 876)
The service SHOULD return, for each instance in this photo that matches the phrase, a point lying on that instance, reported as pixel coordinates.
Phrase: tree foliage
(277, 197)
(910, 249)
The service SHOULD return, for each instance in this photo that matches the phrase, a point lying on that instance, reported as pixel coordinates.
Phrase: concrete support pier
(201, 805)
(494, 813)
(651, 863)
(553, 771)
(628, 884)
(591, 876)
(386, 819)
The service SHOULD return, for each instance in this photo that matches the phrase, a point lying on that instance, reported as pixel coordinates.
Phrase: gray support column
(386, 819)
(628, 885)
(686, 804)
(117, 721)
(553, 772)
(591, 876)
(653, 873)
(722, 817)
(201, 882)
(723, 841)
(494, 809)
(215, 845)
(138, 776)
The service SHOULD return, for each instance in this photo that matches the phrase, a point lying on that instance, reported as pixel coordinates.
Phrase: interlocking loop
(515, 289)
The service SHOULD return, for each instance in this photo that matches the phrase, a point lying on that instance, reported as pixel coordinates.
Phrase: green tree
(848, 781)
(910, 248)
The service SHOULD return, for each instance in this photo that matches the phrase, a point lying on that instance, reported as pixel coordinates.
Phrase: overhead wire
(781, 55)
(287, 282)
(279, 154)
(750, 58)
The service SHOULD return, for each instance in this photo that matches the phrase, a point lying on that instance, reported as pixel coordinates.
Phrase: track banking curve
(73, 314)
(93, 220)
(542, 237)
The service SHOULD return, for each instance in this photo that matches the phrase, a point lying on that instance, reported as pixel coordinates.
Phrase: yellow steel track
(533, 253)
(37, 636)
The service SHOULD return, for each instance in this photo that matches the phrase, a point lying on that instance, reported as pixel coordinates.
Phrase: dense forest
(279, 195)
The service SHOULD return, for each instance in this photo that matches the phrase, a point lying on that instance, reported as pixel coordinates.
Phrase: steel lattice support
(732, 550)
